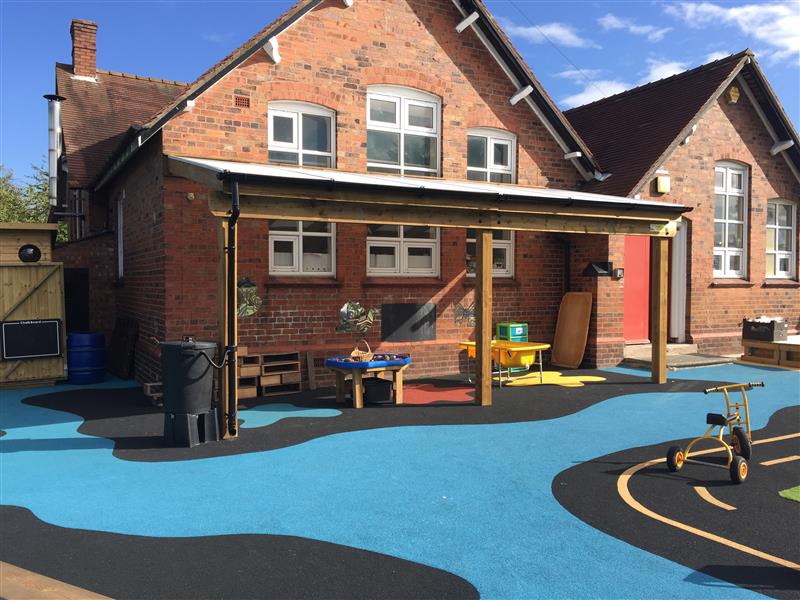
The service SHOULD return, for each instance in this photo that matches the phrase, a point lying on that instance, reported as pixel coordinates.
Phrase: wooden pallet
(783, 354)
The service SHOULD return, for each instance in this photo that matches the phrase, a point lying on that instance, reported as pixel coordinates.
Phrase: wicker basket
(361, 355)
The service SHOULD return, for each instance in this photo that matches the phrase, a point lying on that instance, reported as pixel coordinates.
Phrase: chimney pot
(84, 47)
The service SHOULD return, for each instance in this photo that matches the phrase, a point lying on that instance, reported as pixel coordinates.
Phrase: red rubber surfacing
(426, 393)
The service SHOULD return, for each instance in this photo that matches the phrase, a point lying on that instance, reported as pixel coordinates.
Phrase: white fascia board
(550, 129)
(748, 92)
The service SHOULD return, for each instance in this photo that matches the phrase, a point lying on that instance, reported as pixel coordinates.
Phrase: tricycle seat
(718, 419)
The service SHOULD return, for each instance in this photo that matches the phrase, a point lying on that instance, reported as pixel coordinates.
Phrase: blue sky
(579, 50)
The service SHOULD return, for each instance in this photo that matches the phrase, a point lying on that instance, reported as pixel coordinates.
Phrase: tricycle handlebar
(742, 386)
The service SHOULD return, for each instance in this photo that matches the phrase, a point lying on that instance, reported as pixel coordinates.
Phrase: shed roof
(96, 114)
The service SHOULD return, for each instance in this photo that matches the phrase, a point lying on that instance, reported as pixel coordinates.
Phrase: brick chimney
(84, 47)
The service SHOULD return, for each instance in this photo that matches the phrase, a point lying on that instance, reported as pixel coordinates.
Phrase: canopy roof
(332, 195)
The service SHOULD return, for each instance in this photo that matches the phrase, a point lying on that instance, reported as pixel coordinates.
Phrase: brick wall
(141, 294)
(715, 308)
(96, 254)
(301, 313)
(334, 53)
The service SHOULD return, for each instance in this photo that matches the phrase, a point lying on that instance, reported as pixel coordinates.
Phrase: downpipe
(231, 348)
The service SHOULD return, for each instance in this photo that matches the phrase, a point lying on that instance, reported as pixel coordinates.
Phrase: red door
(636, 320)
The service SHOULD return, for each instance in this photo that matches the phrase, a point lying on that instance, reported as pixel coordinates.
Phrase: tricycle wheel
(738, 469)
(675, 458)
(741, 443)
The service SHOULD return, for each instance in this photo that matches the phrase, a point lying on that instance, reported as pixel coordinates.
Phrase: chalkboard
(408, 322)
(31, 339)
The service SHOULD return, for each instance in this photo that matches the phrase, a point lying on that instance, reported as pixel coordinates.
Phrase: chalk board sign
(31, 339)
(408, 322)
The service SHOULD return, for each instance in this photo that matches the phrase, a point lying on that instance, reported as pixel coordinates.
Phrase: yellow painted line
(706, 495)
(777, 461)
(17, 583)
(625, 494)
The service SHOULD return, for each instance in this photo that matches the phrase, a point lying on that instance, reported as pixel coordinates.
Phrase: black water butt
(190, 416)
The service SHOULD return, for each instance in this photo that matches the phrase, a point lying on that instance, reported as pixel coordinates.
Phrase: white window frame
(403, 98)
(494, 136)
(508, 244)
(728, 170)
(296, 237)
(791, 254)
(401, 244)
(295, 111)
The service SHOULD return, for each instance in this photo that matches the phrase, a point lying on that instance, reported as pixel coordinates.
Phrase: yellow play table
(507, 355)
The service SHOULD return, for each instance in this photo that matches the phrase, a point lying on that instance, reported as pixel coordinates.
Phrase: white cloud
(716, 55)
(558, 33)
(776, 25)
(651, 32)
(595, 90)
(659, 69)
(580, 74)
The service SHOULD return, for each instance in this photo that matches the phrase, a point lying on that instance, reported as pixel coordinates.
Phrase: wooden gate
(32, 291)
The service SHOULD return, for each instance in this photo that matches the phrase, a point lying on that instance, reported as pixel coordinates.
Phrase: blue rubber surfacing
(474, 500)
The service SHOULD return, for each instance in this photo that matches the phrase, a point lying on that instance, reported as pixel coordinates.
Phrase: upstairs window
(502, 253)
(301, 134)
(402, 131)
(730, 220)
(491, 155)
(302, 248)
(403, 250)
(781, 236)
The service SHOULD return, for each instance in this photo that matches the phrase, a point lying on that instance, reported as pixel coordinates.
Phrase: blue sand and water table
(474, 500)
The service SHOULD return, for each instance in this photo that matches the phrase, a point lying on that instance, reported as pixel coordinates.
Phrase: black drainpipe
(231, 291)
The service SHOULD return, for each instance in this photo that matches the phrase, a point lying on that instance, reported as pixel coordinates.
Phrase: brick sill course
(732, 283)
(402, 281)
(302, 282)
(509, 282)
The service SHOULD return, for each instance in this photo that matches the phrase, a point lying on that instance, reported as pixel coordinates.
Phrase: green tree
(26, 202)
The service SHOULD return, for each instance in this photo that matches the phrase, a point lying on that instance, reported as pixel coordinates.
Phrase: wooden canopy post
(659, 265)
(483, 317)
(222, 334)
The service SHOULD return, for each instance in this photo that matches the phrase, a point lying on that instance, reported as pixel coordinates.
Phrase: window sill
(302, 281)
(402, 281)
(732, 283)
(781, 283)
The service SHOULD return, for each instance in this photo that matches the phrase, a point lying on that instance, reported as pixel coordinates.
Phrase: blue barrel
(86, 358)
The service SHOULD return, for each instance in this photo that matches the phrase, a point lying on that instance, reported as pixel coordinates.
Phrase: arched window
(731, 204)
(402, 131)
(491, 155)
(301, 134)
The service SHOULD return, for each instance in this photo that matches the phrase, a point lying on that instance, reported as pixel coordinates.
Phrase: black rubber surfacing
(762, 520)
(230, 566)
(136, 428)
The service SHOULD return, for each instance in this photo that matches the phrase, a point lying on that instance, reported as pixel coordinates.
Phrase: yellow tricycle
(740, 445)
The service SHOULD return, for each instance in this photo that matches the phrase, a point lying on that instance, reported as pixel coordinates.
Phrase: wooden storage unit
(280, 373)
(782, 354)
(31, 291)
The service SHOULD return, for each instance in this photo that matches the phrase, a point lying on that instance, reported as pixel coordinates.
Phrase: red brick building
(357, 101)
